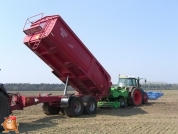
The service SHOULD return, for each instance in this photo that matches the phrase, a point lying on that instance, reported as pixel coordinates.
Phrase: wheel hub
(77, 107)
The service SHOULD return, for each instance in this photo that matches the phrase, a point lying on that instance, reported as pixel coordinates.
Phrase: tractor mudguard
(131, 88)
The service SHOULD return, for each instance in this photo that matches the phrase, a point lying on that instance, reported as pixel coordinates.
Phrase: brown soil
(157, 117)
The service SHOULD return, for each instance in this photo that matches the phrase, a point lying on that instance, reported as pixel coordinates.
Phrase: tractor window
(127, 82)
(134, 82)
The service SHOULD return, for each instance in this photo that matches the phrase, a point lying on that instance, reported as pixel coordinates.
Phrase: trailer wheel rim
(137, 97)
(91, 106)
(77, 107)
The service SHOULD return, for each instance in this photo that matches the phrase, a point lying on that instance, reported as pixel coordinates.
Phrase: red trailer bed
(52, 40)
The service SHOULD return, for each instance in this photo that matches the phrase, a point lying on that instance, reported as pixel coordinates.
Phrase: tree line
(60, 87)
(35, 87)
(159, 86)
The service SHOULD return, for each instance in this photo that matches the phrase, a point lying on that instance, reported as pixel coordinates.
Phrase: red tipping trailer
(52, 40)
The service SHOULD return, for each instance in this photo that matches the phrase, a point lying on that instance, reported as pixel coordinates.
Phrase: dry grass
(158, 117)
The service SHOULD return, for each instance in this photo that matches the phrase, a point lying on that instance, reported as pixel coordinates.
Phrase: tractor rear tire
(136, 97)
(90, 105)
(75, 107)
(50, 110)
(4, 109)
(145, 98)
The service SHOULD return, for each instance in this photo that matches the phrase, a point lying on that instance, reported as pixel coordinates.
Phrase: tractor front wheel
(123, 103)
(4, 109)
(136, 97)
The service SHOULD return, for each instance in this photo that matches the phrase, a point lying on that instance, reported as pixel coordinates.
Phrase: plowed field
(157, 117)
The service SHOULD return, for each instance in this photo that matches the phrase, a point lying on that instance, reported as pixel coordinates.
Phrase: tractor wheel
(129, 101)
(4, 109)
(145, 98)
(122, 103)
(136, 97)
(75, 107)
(90, 104)
(50, 110)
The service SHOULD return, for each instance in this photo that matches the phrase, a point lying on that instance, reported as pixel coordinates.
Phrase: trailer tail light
(33, 29)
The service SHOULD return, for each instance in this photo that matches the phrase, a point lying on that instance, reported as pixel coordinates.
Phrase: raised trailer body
(53, 41)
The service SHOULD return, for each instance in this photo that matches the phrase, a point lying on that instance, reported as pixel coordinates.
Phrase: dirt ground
(157, 117)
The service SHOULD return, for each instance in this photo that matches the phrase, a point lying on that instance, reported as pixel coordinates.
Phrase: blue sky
(138, 38)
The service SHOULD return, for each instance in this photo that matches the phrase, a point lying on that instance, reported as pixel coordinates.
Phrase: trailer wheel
(4, 109)
(90, 104)
(50, 110)
(136, 97)
(75, 107)
(145, 98)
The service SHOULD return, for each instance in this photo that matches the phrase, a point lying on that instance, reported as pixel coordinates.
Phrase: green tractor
(127, 92)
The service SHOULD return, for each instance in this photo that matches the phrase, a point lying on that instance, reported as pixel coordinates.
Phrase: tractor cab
(126, 82)
(129, 81)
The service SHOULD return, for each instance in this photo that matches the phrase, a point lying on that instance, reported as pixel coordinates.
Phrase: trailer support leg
(65, 98)
(66, 85)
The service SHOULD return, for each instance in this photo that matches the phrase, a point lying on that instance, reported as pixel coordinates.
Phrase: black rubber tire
(4, 109)
(129, 101)
(136, 97)
(90, 105)
(50, 110)
(62, 111)
(145, 98)
(123, 104)
(74, 103)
